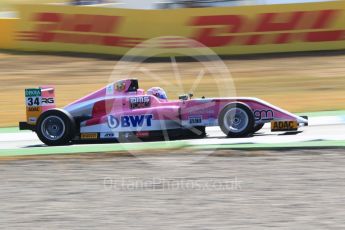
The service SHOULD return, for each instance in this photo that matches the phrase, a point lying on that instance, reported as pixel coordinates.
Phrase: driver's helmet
(157, 92)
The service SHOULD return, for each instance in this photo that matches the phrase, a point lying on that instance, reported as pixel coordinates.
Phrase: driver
(157, 92)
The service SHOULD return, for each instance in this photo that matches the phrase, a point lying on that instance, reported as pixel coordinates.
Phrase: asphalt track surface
(321, 132)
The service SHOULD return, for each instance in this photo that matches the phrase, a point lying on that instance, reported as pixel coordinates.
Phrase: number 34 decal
(37, 101)
(33, 101)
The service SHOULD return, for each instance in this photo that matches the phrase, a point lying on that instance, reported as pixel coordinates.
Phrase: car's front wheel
(258, 127)
(55, 127)
(236, 120)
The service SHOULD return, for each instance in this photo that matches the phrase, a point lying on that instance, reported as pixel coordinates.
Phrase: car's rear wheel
(55, 127)
(236, 120)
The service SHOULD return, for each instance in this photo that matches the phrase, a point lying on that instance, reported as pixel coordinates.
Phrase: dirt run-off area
(297, 189)
(296, 83)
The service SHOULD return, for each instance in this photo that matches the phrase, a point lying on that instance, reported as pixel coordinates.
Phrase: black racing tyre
(258, 127)
(236, 120)
(55, 127)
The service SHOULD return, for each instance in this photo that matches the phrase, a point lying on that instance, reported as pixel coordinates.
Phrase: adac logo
(130, 121)
(284, 125)
(34, 109)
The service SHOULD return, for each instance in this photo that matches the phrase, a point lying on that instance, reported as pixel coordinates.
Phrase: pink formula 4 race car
(121, 111)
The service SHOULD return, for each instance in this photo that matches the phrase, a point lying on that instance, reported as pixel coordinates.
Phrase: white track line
(320, 128)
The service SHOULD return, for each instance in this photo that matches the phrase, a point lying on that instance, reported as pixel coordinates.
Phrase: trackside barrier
(7, 26)
(227, 30)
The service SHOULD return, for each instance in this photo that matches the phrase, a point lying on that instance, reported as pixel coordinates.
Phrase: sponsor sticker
(34, 109)
(195, 119)
(88, 135)
(108, 135)
(139, 102)
(32, 113)
(32, 92)
(284, 126)
(130, 121)
(33, 101)
(142, 134)
(48, 101)
(32, 119)
(263, 115)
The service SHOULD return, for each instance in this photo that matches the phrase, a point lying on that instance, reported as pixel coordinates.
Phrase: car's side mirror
(183, 97)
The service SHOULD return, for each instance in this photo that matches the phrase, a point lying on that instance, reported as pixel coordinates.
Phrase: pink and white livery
(122, 111)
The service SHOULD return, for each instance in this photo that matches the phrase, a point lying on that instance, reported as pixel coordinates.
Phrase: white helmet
(157, 92)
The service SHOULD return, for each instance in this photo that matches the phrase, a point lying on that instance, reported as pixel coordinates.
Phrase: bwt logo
(265, 115)
(130, 121)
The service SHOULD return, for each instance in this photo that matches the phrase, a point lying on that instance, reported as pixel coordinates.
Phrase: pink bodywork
(48, 92)
(109, 110)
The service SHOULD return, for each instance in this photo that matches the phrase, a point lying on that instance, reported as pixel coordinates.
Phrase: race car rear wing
(37, 101)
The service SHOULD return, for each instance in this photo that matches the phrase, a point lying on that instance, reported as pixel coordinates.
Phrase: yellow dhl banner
(7, 26)
(227, 31)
